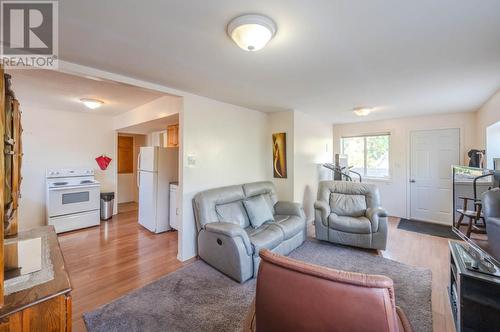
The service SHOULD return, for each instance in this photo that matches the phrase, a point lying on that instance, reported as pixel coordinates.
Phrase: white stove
(73, 199)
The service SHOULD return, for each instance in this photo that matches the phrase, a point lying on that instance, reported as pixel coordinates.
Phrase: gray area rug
(199, 298)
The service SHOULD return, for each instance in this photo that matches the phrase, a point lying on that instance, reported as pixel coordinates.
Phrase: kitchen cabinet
(173, 136)
(125, 154)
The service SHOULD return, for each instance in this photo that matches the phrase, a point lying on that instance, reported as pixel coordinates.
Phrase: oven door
(67, 200)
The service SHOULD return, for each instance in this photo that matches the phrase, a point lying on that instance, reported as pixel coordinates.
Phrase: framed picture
(279, 155)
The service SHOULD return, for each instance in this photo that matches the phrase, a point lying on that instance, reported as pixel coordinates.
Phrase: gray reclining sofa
(229, 235)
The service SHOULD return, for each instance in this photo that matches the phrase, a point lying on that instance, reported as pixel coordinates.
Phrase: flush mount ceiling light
(251, 32)
(362, 111)
(91, 103)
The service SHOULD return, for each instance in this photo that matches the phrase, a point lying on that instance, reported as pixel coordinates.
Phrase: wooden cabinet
(173, 136)
(43, 307)
(125, 154)
(51, 315)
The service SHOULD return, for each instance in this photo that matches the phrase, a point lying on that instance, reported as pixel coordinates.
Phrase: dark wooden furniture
(44, 307)
(12, 154)
(474, 295)
(10, 165)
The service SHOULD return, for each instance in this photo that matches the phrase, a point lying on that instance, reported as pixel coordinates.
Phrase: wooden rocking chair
(474, 215)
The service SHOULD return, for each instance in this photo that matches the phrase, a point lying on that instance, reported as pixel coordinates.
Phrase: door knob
(412, 181)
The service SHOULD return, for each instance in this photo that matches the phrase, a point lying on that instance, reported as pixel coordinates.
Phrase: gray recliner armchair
(349, 213)
(229, 242)
(491, 209)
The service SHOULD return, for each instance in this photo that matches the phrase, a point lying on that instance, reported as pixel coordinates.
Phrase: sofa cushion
(280, 217)
(204, 203)
(348, 204)
(258, 210)
(234, 213)
(267, 236)
(290, 225)
(265, 188)
(360, 225)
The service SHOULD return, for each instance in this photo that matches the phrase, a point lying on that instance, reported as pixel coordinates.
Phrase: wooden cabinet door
(173, 136)
(125, 154)
(51, 315)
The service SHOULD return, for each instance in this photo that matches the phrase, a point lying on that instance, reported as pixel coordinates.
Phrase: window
(368, 155)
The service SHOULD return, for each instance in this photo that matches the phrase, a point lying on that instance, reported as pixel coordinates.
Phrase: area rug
(199, 298)
(428, 228)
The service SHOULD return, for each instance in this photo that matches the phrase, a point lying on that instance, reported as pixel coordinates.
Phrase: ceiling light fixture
(91, 103)
(362, 111)
(251, 32)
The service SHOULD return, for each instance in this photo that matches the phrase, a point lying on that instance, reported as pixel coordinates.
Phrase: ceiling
(151, 126)
(58, 91)
(403, 57)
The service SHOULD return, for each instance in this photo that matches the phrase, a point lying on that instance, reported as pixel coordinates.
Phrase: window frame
(364, 136)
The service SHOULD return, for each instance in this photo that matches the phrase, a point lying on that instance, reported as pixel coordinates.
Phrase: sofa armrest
(230, 230)
(289, 209)
(374, 215)
(323, 207)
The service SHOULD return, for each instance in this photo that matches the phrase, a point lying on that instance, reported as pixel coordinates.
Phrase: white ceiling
(329, 56)
(58, 91)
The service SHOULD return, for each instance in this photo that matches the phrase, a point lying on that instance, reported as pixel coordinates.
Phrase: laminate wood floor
(120, 256)
(114, 259)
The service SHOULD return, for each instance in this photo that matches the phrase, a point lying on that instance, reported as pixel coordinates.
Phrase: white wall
(58, 139)
(125, 188)
(282, 122)
(492, 144)
(312, 148)
(487, 115)
(230, 146)
(157, 138)
(394, 193)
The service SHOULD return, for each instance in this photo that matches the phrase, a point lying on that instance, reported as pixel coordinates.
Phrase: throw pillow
(258, 211)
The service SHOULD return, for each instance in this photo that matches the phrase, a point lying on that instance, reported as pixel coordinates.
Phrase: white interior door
(433, 152)
(147, 199)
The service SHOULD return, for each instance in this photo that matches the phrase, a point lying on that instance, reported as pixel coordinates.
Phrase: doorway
(152, 191)
(128, 147)
(432, 153)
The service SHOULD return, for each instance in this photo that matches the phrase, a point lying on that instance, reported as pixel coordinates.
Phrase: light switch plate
(191, 161)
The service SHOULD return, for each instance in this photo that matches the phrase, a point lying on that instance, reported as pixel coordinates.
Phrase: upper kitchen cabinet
(173, 136)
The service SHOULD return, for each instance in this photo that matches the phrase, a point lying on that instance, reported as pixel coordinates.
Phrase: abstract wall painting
(279, 155)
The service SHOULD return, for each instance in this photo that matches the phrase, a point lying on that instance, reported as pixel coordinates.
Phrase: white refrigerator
(157, 167)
